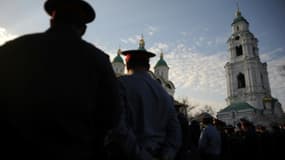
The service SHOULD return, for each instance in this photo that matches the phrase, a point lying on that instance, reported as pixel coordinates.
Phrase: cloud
(204, 42)
(196, 76)
(124, 41)
(197, 70)
(272, 55)
(151, 30)
(277, 79)
(159, 47)
(221, 40)
(200, 41)
(275, 60)
(281, 70)
(132, 39)
(5, 36)
(185, 34)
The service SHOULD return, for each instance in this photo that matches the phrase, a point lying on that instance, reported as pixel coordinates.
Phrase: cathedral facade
(248, 87)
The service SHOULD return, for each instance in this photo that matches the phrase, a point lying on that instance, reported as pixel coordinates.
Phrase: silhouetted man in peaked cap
(58, 93)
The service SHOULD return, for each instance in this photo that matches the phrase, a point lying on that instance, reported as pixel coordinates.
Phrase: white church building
(248, 87)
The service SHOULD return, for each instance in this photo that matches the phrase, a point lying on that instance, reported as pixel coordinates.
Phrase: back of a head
(194, 122)
(206, 118)
(70, 11)
(138, 59)
(136, 62)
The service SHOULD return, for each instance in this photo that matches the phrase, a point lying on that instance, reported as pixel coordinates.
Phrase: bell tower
(247, 77)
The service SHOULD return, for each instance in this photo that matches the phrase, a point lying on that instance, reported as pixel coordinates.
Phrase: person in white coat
(150, 111)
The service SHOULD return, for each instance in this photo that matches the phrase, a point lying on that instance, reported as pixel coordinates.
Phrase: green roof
(141, 48)
(161, 62)
(118, 59)
(239, 19)
(237, 107)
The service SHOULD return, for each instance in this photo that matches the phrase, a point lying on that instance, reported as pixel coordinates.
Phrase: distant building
(160, 73)
(118, 64)
(248, 88)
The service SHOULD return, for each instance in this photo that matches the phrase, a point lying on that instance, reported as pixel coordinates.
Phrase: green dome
(239, 18)
(118, 59)
(161, 62)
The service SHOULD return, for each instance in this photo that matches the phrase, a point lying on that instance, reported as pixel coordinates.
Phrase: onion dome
(161, 62)
(118, 58)
(239, 18)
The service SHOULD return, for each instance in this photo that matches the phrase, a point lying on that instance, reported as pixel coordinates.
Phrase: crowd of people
(60, 99)
(245, 140)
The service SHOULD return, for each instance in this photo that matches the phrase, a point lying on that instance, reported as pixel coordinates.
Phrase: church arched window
(238, 50)
(241, 80)
(237, 38)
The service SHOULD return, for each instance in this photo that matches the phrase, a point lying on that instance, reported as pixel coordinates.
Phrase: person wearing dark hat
(73, 13)
(58, 93)
(150, 111)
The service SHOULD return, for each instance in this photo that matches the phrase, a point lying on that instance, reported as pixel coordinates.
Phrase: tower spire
(142, 43)
(238, 13)
(119, 52)
(161, 54)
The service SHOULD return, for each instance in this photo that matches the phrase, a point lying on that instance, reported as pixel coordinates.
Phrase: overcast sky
(191, 33)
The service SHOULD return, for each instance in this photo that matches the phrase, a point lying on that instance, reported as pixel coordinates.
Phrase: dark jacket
(58, 97)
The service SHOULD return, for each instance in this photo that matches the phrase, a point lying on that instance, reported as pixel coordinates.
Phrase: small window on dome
(237, 28)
